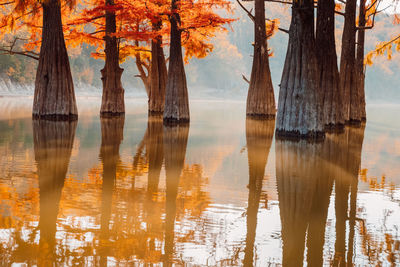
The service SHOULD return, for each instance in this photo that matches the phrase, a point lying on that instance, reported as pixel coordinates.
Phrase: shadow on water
(53, 142)
(305, 175)
(259, 134)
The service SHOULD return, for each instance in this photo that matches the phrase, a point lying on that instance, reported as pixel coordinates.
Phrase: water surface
(218, 192)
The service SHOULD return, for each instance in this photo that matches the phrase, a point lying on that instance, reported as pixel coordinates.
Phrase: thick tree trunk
(358, 105)
(299, 109)
(259, 135)
(54, 90)
(347, 59)
(158, 77)
(176, 107)
(175, 142)
(112, 103)
(111, 137)
(53, 143)
(260, 98)
(328, 68)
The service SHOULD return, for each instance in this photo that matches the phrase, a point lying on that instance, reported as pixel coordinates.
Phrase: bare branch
(251, 16)
(339, 13)
(245, 79)
(22, 53)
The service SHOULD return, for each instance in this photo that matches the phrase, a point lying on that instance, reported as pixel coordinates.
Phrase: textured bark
(176, 107)
(260, 97)
(145, 77)
(357, 105)
(158, 76)
(112, 103)
(52, 145)
(298, 167)
(175, 142)
(111, 137)
(259, 135)
(347, 59)
(299, 108)
(54, 90)
(328, 68)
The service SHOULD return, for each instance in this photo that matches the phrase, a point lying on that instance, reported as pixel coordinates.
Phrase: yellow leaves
(338, 7)
(10, 71)
(383, 48)
(396, 19)
(271, 27)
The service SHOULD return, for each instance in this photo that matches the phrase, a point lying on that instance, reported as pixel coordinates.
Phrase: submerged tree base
(55, 117)
(155, 113)
(109, 114)
(175, 122)
(334, 128)
(296, 135)
(357, 123)
(261, 116)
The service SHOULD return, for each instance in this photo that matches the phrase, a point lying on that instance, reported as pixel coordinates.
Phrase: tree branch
(251, 16)
(245, 79)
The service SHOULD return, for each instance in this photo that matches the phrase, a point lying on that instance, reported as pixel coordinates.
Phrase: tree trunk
(328, 68)
(53, 143)
(176, 107)
(112, 103)
(299, 109)
(158, 77)
(54, 89)
(175, 142)
(259, 135)
(260, 98)
(347, 59)
(359, 103)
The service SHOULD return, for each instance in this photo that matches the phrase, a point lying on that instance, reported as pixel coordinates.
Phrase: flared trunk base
(334, 128)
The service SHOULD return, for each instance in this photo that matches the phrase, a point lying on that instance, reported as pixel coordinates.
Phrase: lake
(221, 191)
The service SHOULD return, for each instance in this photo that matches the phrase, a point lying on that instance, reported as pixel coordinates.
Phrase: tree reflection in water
(112, 134)
(259, 135)
(305, 176)
(175, 142)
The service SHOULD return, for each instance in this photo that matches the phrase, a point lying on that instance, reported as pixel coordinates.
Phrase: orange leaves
(271, 27)
(135, 19)
(384, 48)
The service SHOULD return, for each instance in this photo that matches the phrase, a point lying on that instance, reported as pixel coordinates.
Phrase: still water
(221, 191)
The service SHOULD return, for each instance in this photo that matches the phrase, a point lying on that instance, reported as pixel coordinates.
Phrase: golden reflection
(259, 135)
(175, 141)
(112, 132)
(346, 186)
(52, 145)
(305, 175)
